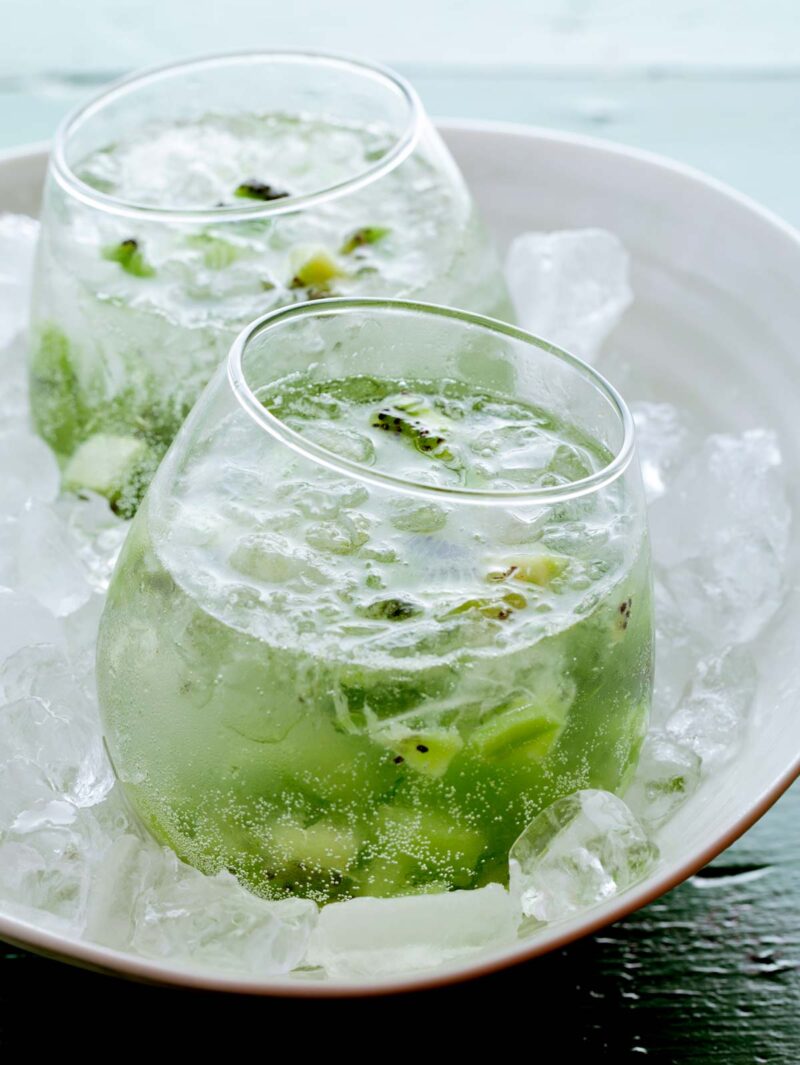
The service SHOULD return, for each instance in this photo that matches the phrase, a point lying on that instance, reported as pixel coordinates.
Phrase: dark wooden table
(708, 974)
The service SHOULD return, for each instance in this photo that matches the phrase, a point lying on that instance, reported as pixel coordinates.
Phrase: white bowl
(715, 326)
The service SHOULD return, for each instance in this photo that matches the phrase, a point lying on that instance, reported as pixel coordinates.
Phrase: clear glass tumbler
(184, 202)
(388, 596)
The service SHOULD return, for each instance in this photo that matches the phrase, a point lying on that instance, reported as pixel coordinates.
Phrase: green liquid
(332, 692)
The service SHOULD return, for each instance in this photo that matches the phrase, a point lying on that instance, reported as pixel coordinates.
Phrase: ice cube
(80, 629)
(48, 569)
(25, 787)
(667, 774)
(29, 471)
(60, 745)
(580, 851)
(14, 384)
(8, 548)
(144, 898)
(18, 235)
(412, 515)
(712, 718)
(43, 670)
(23, 622)
(720, 536)
(344, 442)
(677, 652)
(45, 864)
(514, 527)
(570, 287)
(663, 439)
(96, 535)
(343, 536)
(376, 937)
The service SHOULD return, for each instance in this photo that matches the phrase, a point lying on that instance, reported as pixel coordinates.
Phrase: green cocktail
(369, 622)
(186, 202)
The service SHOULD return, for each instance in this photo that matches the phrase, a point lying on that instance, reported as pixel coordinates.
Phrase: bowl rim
(52, 944)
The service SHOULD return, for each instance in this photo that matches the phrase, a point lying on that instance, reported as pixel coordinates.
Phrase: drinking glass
(388, 596)
(184, 202)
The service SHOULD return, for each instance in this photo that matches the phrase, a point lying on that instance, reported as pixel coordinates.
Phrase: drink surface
(334, 689)
(131, 316)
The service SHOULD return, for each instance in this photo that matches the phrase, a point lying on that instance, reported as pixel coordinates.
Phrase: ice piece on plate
(18, 233)
(23, 621)
(25, 788)
(96, 535)
(47, 568)
(43, 670)
(667, 774)
(580, 851)
(376, 937)
(29, 470)
(720, 536)
(63, 751)
(663, 439)
(713, 716)
(569, 287)
(677, 652)
(144, 898)
(80, 629)
(46, 861)
(14, 385)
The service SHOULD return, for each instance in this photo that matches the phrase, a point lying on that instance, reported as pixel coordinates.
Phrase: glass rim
(91, 197)
(237, 380)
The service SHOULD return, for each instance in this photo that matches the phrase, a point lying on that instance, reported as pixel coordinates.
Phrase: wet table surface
(709, 973)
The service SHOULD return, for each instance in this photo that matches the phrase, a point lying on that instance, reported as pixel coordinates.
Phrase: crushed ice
(378, 937)
(73, 859)
(581, 850)
(569, 287)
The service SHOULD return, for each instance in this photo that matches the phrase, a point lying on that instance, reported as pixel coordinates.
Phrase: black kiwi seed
(259, 190)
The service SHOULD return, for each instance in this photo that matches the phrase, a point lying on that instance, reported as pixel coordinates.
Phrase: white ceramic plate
(715, 326)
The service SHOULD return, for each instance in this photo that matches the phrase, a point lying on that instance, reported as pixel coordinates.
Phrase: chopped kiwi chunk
(540, 569)
(129, 256)
(413, 418)
(390, 610)
(258, 190)
(499, 609)
(321, 846)
(434, 847)
(107, 464)
(217, 252)
(365, 235)
(520, 733)
(58, 404)
(314, 269)
(386, 877)
(427, 750)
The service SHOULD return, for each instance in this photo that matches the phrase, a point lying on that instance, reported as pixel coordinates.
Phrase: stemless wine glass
(387, 597)
(186, 201)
